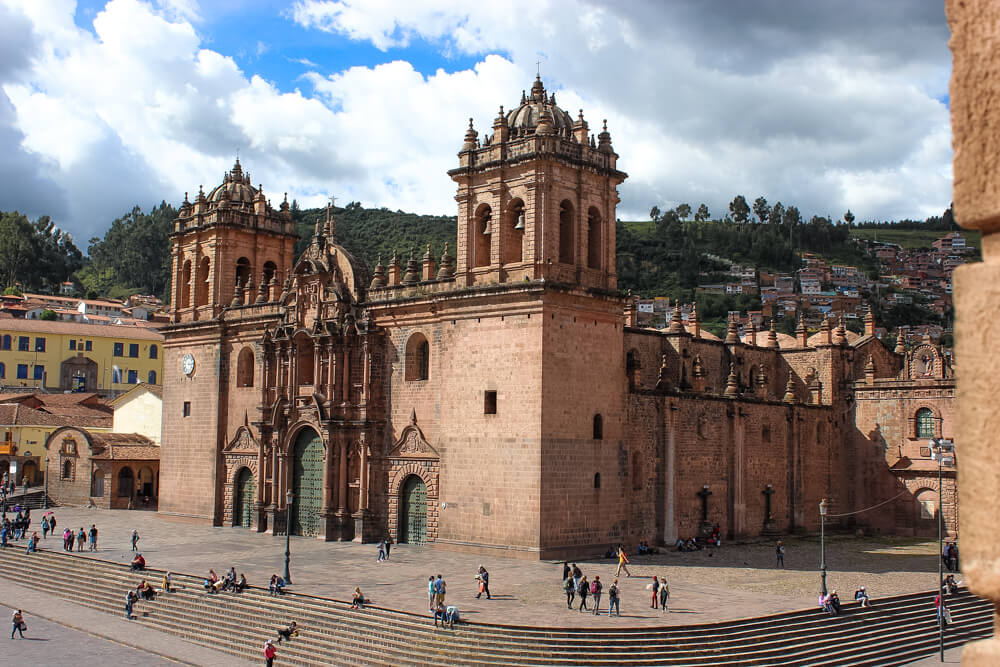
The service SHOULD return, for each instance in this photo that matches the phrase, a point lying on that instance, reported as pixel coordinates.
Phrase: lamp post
(45, 495)
(288, 533)
(941, 451)
(822, 545)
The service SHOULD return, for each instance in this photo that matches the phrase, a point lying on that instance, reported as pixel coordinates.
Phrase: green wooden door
(413, 513)
(243, 502)
(307, 483)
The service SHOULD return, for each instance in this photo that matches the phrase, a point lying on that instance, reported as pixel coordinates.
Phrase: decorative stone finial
(446, 267)
(732, 333)
(772, 337)
(471, 138)
(732, 386)
(900, 342)
(676, 322)
(789, 396)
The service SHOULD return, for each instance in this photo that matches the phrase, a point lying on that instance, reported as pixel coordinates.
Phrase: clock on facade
(187, 364)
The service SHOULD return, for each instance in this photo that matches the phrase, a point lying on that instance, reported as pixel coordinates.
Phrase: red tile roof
(15, 414)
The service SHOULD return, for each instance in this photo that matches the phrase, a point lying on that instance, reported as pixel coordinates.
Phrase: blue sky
(825, 105)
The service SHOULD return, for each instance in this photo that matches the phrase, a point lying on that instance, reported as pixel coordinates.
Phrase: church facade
(499, 399)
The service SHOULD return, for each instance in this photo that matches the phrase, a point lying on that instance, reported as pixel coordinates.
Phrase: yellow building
(70, 356)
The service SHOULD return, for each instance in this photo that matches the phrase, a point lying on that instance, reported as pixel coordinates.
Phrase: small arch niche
(244, 368)
(242, 271)
(185, 285)
(598, 427)
(567, 254)
(270, 270)
(594, 238)
(418, 358)
(305, 357)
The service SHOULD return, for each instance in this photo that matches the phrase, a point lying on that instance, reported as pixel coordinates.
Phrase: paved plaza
(732, 582)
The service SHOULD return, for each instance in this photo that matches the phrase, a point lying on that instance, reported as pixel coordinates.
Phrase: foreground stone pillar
(975, 121)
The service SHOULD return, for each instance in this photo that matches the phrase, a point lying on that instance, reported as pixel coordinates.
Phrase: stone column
(342, 480)
(975, 30)
(345, 390)
(317, 355)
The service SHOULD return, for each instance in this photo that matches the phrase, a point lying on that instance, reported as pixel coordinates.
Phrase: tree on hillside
(702, 214)
(849, 217)
(654, 213)
(683, 211)
(739, 209)
(761, 209)
(776, 214)
(37, 254)
(15, 246)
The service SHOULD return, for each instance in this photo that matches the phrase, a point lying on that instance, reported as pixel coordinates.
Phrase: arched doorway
(97, 484)
(126, 483)
(147, 485)
(307, 483)
(243, 497)
(413, 511)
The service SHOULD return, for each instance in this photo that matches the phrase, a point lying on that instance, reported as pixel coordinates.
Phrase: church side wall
(189, 453)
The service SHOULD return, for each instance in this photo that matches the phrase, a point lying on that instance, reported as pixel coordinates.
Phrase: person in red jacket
(269, 652)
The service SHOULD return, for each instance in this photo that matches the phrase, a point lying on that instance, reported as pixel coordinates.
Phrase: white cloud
(769, 102)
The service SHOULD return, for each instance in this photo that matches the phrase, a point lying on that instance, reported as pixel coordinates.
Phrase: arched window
(597, 480)
(513, 244)
(270, 269)
(242, 271)
(151, 378)
(153, 352)
(418, 358)
(598, 427)
(593, 238)
(201, 282)
(304, 359)
(185, 286)
(6, 342)
(244, 368)
(925, 423)
(567, 254)
(67, 469)
(483, 230)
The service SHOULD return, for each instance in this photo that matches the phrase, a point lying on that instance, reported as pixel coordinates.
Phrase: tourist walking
(953, 557)
(70, 538)
(93, 537)
(135, 539)
(577, 575)
(32, 543)
(439, 590)
(45, 528)
(566, 570)
(17, 624)
(595, 591)
(664, 594)
(583, 590)
(388, 546)
(622, 562)
(655, 587)
(81, 539)
(614, 596)
(269, 653)
(130, 598)
(779, 553)
(381, 551)
(570, 589)
(483, 577)
(430, 593)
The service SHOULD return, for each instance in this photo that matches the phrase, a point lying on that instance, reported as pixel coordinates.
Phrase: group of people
(17, 528)
(949, 554)
(437, 589)
(230, 582)
(80, 538)
(384, 546)
(575, 584)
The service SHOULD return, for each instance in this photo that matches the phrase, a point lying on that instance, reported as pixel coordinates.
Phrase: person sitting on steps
(358, 601)
(286, 633)
(138, 563)
(861, 595)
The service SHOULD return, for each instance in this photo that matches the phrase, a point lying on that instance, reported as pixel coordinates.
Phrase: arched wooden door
(307, 483)
(29, 472)
(413, 511)
(244, 491)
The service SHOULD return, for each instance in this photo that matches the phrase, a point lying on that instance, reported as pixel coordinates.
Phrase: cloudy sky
(824, 104)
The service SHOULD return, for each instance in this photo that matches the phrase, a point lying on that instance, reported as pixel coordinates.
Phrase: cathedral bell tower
(536, 199)
(228, 245)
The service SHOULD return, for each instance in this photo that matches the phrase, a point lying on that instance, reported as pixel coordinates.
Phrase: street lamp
(45, 496)
(822, 545)
(288, 532)
(942, 452)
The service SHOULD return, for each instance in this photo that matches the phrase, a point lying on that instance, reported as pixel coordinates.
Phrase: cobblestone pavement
(732, 582)
(48, 643)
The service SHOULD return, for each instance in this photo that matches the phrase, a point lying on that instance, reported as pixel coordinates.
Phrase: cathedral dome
(235, 187)
(525, 118)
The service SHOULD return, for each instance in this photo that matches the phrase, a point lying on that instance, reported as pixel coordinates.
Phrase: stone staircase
(896, 631)
(34, 498)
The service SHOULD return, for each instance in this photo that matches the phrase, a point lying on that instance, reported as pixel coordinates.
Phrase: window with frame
(598, 427)
(69, 446)
(39, 372)
(88, 346)
(133, 350)
(119, 350)
(151, 379)
(3, 370)
(72, 343)
(153, 352)
(925, 423)
(186, 409)
(490, 403)
(39, 344)
(22, 343)
(418, 358)
(22, 371)
(133, 377)
(5, 342)
(67, 469)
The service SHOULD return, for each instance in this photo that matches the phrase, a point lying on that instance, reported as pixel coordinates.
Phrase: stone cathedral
(501, 399)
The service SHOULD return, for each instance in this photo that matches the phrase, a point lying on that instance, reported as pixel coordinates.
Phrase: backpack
(613, 592)
(594, 587)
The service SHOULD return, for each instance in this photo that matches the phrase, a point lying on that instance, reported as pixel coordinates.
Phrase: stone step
(331, 633)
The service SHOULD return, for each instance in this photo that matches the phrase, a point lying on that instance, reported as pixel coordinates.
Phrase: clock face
(187, 364)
